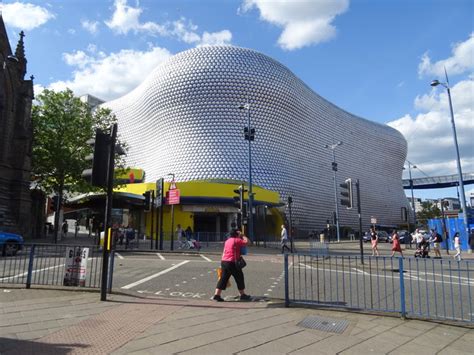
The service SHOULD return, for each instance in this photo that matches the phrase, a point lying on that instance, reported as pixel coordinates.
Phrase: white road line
(127, 287)
(160, 256)
(119, 256)
(360, 271)
(205, 257)
(35, 271)
(39, 270)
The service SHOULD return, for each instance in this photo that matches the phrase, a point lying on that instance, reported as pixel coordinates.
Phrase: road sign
(373, 220)
(173, 197)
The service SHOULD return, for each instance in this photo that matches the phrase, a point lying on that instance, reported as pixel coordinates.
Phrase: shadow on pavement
(16, 346)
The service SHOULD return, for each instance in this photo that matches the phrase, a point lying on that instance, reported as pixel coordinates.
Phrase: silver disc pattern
(185, 119)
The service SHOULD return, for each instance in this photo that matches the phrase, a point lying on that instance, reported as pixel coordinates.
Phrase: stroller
(422, 250)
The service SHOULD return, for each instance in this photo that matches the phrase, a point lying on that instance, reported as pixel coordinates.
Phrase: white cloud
(126, 19)
(461, 61)
(25, 16)
(429, 133)
(90, 26)
(304, 22)
(110, 76)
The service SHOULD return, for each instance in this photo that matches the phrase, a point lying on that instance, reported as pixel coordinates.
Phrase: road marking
(119, 256)
(160, 256)
(151, 277)
(205, 257)
(360, 271)
(35, 271)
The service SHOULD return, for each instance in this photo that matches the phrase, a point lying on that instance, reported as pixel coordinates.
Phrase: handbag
(240, 262)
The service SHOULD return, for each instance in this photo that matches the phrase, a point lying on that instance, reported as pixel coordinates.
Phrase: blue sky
(373, 58)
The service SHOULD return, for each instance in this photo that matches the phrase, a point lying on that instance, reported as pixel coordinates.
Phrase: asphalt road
(433, 288)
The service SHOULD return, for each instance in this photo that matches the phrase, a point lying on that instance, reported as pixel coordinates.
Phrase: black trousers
(229, 269)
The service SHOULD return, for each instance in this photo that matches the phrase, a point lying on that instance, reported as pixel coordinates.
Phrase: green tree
(62, 125)
(428, 211)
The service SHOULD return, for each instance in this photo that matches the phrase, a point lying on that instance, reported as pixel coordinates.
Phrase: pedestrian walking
(417, 237)
(457, 247)
(374, 238)
(284, 239)
(436, 239)
(64, 228)
(181, 237)
(396, 246)
(231, 266)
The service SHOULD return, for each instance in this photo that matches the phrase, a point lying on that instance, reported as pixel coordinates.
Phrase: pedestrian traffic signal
(346, 193)
(250, 135)
(99, 161)
(147, 203)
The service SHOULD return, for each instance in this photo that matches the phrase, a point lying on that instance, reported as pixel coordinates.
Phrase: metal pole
(361, 244)
(291, 225)
(265, 226)
(412, 196)
(445, 230)
(161, 215)
(108, 214)
(458, 160)
(335, 194)
(250, 211)
(152, 215)
(172, 227)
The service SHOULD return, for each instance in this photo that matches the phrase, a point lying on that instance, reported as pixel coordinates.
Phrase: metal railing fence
(45, 264)
(412, 287)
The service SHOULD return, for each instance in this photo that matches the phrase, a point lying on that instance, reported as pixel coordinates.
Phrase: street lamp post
(249, 134)
(411, 188)
(435, 83)
(334, 168)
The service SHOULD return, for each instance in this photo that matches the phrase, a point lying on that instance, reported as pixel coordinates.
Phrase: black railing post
(287, 286)
(403, 312)
(30, 266)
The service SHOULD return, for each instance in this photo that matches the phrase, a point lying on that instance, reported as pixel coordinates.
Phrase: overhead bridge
(438, 182)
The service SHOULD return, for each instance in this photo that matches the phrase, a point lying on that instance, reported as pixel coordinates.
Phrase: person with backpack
(436, 239)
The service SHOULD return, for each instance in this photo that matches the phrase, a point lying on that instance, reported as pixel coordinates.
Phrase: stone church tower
(16, 95)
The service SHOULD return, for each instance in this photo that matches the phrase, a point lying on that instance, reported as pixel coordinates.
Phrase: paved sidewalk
(40, 321)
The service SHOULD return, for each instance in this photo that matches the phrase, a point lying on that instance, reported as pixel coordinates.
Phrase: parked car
(10, 243)
(405, 236)
(383, 237)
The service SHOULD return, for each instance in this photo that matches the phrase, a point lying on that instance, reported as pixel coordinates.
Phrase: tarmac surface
(45, 321)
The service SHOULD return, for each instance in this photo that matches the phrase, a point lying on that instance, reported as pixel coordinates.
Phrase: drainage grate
(324, 324)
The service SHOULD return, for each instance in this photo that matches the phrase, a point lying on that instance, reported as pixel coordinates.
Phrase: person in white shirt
(417, 237)
(284, 239)
(457, 247)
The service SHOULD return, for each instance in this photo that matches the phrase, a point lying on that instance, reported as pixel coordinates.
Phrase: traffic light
(250, 136)
(241, 204)
(346, 193)
(147, 203)
(97, 175)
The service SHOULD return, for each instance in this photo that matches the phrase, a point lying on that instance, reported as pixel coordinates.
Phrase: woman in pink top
(230, 255)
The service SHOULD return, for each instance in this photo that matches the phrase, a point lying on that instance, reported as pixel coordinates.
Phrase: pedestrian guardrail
(53, 265)
(412, 287)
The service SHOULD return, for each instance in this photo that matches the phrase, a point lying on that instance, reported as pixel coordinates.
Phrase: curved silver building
(185, 119)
